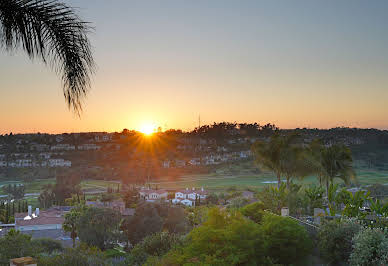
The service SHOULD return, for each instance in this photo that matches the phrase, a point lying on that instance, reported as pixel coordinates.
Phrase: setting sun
(147, 129)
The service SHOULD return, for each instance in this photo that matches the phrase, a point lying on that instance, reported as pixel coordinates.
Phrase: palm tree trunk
(288, 182)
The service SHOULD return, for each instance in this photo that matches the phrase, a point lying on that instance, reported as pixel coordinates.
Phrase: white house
(166, 164)
(89, 146)
(188, 197)
(153, 195)
(63, 147)
(59, 163)
(195, 161)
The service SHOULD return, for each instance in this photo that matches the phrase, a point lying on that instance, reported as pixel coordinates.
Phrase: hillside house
(187, 197)
(88, 147)
(116, 205)
(166, 164)
(39, 220)
(153, 195)
(63, 147)
(59, 163)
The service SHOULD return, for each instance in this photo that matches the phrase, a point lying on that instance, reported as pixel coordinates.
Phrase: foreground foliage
(286, 241)
(370, 247)
(335, 240)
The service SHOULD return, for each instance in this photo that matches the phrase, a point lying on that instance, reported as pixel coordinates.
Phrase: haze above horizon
(295, 64)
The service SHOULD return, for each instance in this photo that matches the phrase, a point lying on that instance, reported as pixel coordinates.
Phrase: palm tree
(50, 30)
(314, 159)
(268, 155)
(282, 155)
(336, 162)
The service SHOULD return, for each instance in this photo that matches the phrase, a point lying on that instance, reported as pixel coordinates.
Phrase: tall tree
(51, 30)
(282, 155)
(337, 163)
(71, 219)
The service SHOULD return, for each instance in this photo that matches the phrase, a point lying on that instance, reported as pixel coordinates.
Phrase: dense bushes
(228, 238)
(99, 227)
(224, 239)
(335, 240)
(370, 247)
(286, 241)
(152, 218)
(254, 211)
(15, 244)
(155, 245)
(80, 256)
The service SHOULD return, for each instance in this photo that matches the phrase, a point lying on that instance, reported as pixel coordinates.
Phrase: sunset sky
(293, 63)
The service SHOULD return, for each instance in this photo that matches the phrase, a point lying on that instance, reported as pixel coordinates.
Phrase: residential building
(153, 195)
(59, 163)
(88, 147)
(188, 197)
(39, 220)
(63, 147)
(117, 205)
(166, 164)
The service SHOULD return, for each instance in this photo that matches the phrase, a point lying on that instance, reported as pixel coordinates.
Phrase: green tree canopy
(287, 242)
(98, 227)
(226, 238)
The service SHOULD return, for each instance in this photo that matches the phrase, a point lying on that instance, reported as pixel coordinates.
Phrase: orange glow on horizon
(147, 129)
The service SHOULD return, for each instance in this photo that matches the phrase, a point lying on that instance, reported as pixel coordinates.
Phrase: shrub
(335, 240)
(370, 247)
(154, 245)
(287, 242)
(237, 203)
(13, 245)
(46, 245)
(254, 211)
(80, 256)
(226, 238)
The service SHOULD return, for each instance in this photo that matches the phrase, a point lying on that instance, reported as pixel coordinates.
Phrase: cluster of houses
(187, 197)
(21, 163)
(211, 159)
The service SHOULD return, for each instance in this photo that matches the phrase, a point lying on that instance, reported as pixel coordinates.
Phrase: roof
(149, 191)
(197, 191)
(45, 217)
(23, 261)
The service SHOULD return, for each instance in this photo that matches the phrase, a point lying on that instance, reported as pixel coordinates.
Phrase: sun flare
(147, 129)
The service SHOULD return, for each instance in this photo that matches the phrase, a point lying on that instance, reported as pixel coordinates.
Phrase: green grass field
(241, 176)
(220, 182)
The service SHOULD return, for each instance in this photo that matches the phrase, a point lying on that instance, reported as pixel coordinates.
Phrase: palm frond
(52, 31)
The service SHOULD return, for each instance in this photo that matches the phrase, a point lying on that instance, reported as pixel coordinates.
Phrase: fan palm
(50, 30)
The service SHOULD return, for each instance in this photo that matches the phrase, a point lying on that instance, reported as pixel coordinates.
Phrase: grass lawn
(220, 182)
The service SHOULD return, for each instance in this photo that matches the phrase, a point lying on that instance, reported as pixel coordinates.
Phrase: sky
(293, 63)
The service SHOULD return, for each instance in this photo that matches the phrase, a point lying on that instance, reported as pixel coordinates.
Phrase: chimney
(29, 210)
(37, 211)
